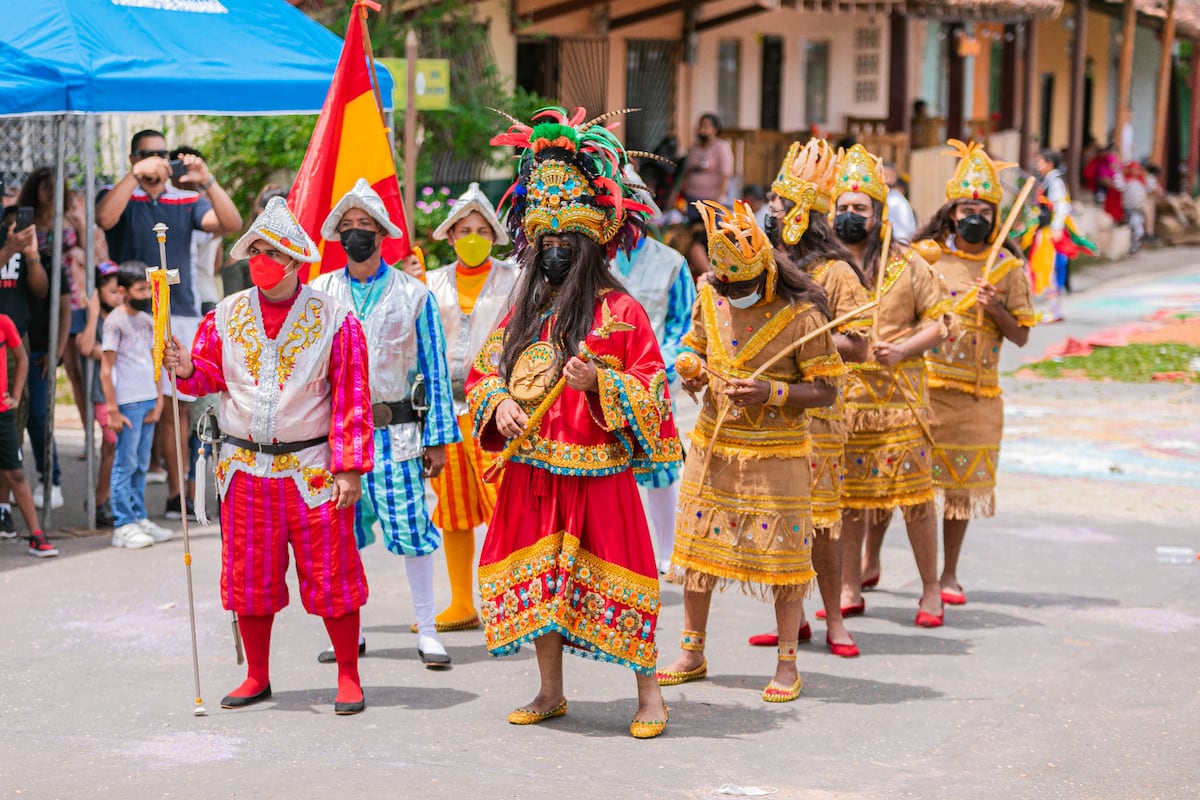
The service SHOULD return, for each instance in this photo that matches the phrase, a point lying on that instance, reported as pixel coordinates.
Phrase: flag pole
(410, 128)
(160, 232)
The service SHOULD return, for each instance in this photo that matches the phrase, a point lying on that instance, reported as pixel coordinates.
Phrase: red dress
(568, 548)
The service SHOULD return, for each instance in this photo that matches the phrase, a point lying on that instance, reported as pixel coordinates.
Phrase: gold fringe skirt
(968, 431)
(749, 524)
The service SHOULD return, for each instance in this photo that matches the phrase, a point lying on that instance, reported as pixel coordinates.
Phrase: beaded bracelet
(779, 394)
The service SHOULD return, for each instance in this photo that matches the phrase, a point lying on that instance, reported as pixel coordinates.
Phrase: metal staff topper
(161, 279)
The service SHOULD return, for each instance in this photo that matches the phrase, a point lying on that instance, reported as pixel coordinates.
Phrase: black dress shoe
(345, 709)
(328, 657)
(434, 660)
(229, 701)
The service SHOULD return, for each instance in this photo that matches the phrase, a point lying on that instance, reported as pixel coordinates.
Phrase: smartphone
(24, 218)
(178, 168)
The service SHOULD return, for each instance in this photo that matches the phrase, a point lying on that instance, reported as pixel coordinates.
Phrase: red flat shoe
(952, 599)
(842, 650)
(856, 610)
(870, 583)
(926, 620)
(764, 640)
(772, 639)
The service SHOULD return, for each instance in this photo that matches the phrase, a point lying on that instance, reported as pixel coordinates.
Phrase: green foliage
(1135, 363)
(243, 152)
(433, 206)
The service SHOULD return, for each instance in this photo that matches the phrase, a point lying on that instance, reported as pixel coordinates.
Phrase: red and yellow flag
(348, 143)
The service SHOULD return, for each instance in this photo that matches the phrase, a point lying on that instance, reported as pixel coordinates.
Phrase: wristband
(779, 394)
(208, 183)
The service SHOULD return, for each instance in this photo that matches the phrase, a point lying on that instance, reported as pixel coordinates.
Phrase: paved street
(1070, 674)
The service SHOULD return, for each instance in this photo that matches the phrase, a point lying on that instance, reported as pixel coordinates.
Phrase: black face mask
(359, 244)
(555, 263)
(704, 138)
(973, 229)
(851, 228)
(142, 305)
(773, 230)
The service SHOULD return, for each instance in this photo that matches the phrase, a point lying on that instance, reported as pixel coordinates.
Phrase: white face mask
(745, 302)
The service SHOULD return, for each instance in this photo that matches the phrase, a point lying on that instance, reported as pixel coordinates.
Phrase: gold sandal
(464, 624)
(640, 729)
(775, 693)
(668, 678)
(525, 716)
(692, 642)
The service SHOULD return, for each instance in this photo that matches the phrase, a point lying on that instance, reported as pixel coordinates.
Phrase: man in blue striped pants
(406, 346)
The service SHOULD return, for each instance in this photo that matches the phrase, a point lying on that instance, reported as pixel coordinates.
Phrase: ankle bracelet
(692, 640)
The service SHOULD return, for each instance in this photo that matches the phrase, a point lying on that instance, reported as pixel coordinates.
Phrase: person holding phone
(35, 213)
(144, 197)
(24, 285)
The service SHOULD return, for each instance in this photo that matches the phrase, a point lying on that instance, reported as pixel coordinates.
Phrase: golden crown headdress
(977, 177)
(859, 170)
(737, 247)
(806, 178)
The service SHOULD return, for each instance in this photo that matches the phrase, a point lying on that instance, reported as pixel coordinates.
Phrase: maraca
(689, 366)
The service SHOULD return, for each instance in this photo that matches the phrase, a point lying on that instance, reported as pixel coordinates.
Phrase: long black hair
(818, 244)
(941, 226)
(571, 305)
(869, 267)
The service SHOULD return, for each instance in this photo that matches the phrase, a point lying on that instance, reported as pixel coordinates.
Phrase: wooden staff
(803, 340)
(160, 232)
(535, 422)
(793, 347)
(883, 260)
(897, 372)
(993, 255)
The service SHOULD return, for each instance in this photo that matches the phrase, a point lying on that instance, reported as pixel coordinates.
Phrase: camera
(178, 169)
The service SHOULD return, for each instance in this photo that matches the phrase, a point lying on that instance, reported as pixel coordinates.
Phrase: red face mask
(266, 272)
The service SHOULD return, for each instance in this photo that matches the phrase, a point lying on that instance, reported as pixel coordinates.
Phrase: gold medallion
(533, 373)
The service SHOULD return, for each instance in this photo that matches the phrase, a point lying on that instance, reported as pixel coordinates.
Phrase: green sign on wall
(432, 82)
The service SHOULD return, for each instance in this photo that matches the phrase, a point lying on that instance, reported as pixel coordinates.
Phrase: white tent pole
(60, 132)
(89, 366)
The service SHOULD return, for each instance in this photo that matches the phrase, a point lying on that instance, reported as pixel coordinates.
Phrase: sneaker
(156, 476)
(56, 497)
(40, 547)
(7, 529)
(131, 537)
(173, 509)
(155, 532)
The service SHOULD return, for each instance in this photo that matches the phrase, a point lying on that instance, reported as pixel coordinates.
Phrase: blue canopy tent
(236, 57)
(165, 56)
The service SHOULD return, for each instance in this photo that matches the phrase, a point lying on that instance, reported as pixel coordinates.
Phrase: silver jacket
(466, 333)
(391, 333)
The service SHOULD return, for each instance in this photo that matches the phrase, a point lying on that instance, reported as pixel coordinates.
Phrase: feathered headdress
(570, 178)
(737, 247)
(805, 178)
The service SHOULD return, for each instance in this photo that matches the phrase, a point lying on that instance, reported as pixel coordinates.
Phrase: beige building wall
(797, 28)
(1054, 56)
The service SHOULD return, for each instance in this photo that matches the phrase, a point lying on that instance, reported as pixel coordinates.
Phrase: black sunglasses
(149, 153)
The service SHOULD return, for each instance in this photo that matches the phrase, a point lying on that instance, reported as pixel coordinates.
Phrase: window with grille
(816, 83)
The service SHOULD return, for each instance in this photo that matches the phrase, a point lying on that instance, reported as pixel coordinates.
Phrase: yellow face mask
(472, 249)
